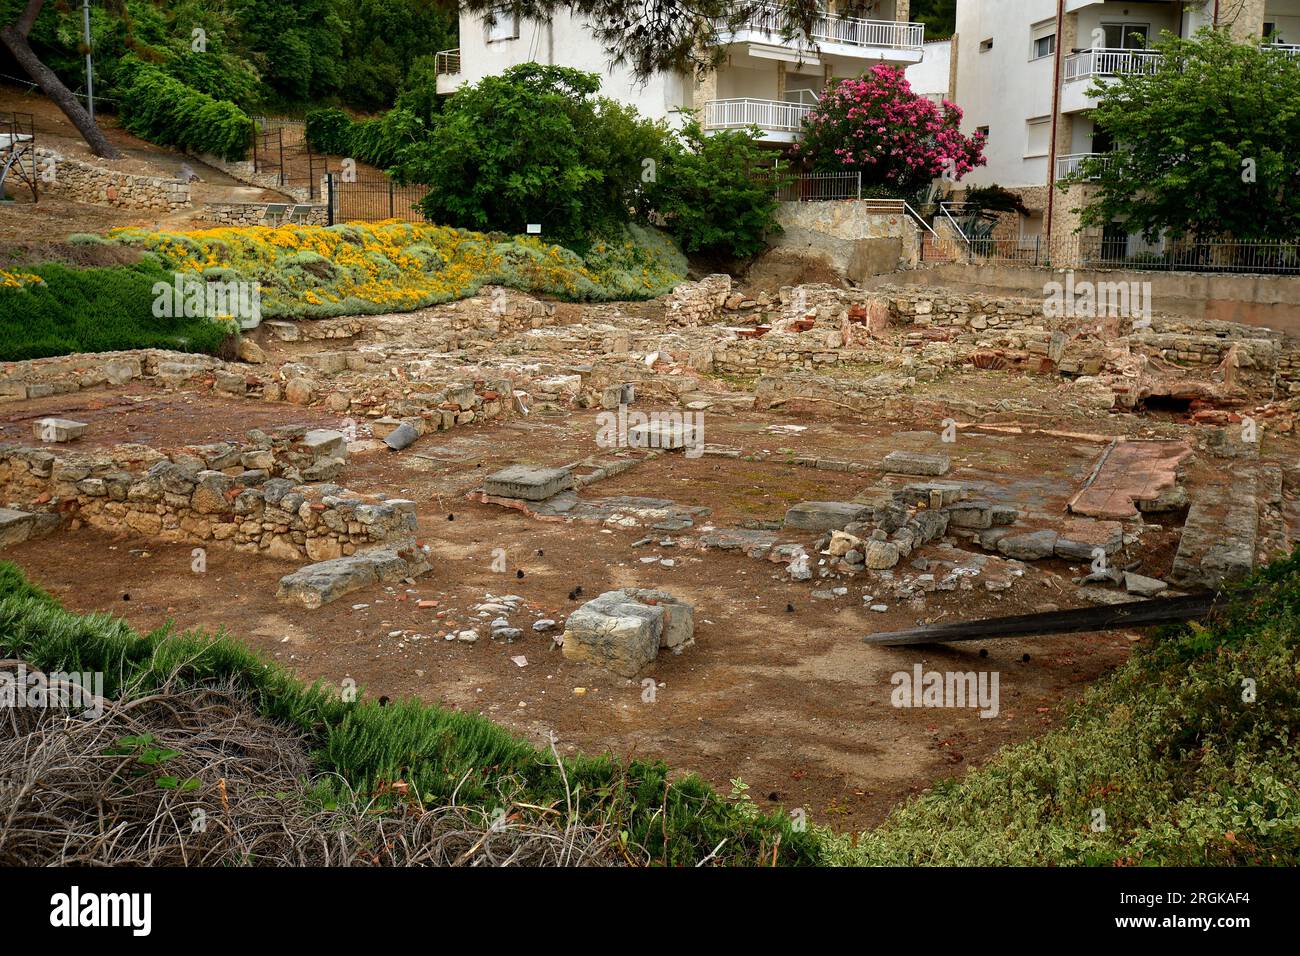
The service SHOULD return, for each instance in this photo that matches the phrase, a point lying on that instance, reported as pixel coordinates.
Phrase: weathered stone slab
(58, 429)
(326, 581)
(1142, 585)
(1080, 537)
(19, 526)
(915, 463)
(529, 482)
(325, 443)
(665, 435)
(1219, 537)
(825, 515)
(1029, 546)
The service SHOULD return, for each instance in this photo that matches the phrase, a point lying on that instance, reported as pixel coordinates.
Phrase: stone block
(915, 463)
(666, 435)
(622, 631)
(825, 515)
(1029, 546)
(326, 581)
(529, 482)
(58, 429)
(325, 443)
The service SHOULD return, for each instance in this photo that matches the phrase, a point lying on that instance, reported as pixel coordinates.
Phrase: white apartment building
(765, 80)
(1024, 68)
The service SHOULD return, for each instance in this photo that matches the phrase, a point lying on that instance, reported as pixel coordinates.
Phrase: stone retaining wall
(178, 499)
(697, 303)
(355, 382)
(79, 181)
(254, 214)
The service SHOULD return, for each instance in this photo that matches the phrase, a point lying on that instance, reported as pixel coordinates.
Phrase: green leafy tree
(297, 47)
(716, 194)
(534, 145)
(1208, 143)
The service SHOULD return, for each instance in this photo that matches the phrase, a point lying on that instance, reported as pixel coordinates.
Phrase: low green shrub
(95, 310)
(1188, 755)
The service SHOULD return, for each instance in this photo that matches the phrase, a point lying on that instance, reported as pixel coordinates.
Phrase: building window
(1038, 136)
(1125, 36)
(986, 45)
(1043, 40)
(506, 26)
(983, 130)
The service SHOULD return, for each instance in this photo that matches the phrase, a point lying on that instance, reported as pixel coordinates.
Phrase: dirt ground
(771, 662)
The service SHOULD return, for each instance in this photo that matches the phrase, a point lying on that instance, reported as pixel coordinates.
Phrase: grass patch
(436, 752)
(55, 309)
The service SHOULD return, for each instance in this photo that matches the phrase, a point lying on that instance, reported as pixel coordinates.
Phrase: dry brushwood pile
(196, 778)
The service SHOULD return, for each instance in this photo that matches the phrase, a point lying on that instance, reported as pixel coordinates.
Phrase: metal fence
(280, 148)
(1272, 257)
(372, 200)
(1280, 257)
(817, 187)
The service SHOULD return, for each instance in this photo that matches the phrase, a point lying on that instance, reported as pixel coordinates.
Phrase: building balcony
(1081, 68)
(779, 120)
(446, 66)
(1070, 165)
(833, 38)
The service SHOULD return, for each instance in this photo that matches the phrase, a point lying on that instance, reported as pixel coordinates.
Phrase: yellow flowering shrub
(395, 266)
(16, 280)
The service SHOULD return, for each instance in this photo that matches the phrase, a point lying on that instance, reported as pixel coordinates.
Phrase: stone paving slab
(1219, 538)
(1130, 473)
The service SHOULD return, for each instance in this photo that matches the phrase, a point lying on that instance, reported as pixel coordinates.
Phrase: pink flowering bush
(898, 139)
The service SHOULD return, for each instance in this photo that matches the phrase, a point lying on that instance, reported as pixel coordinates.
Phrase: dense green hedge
(330, 131)
(95, 310)
(437, 752)
(161, 109)
(377, 141)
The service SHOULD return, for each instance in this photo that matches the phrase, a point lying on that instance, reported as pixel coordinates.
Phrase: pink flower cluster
(877, 124)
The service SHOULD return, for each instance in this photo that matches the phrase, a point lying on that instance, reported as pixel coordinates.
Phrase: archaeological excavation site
(669, 530)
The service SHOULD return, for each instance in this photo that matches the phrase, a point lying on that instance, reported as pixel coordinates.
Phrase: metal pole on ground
(90, 66)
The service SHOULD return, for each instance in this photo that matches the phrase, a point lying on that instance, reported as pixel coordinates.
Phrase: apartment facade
(1024, 68)
(766, 79)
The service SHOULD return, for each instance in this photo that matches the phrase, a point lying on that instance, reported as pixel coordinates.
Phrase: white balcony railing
(1086, 64)
(770, 115)
(446, 62)
(770, 20)
(1069, 165)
